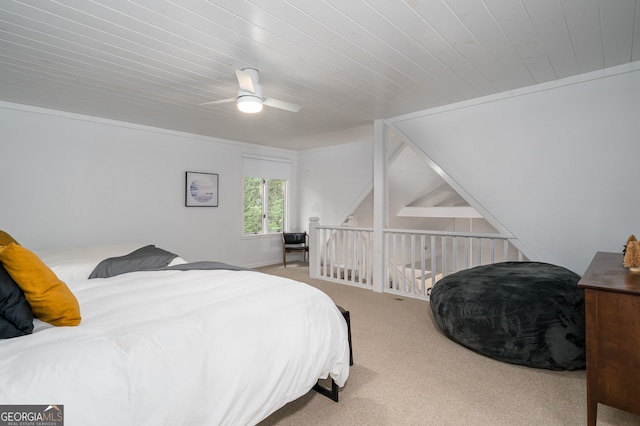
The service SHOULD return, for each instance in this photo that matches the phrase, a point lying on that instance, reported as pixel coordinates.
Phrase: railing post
(314, 248)
(379, 263)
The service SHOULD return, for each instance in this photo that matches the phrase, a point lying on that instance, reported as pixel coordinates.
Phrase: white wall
(69, 180)
(555, 164)
(333, 181)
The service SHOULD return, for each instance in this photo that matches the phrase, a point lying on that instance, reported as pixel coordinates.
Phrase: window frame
(264, 195)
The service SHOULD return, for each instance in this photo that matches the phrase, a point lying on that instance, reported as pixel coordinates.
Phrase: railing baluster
(323, 252)
(354, 258)
(493, 251)
(348, 255)
(327, 259)
(323, 245)
(369, 255)
(444, 256)
(387, 255)
(357, 262)
(454, 245)
(403, 262)
(505, 250)
(393, 256)
(433, 260)
(413, 263)
(334, 242)
(423, 266)
(331, 254)
(467, 252)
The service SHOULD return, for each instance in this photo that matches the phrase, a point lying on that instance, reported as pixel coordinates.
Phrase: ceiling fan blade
(287, 106)
(245, 80)
(224, 101)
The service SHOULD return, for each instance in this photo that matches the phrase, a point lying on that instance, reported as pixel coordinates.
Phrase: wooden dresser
(612, 317)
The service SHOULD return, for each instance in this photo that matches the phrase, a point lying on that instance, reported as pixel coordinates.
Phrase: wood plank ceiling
(346, 62)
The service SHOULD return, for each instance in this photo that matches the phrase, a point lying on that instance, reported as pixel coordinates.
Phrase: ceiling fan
(249, 98)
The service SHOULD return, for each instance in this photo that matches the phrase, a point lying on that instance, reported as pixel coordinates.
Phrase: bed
(169, 344)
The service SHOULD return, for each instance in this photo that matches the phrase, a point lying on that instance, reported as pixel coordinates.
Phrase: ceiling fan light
(250, 104)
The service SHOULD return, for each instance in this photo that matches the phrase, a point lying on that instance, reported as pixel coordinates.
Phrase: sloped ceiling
(347, 63)
(416, 190)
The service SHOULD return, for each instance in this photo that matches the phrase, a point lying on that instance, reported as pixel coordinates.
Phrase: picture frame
(201, 189)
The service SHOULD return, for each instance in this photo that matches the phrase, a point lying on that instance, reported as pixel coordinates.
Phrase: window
(264, 205)
(265, 194)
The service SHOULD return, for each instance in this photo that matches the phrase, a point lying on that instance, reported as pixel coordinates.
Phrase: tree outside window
(264, 205)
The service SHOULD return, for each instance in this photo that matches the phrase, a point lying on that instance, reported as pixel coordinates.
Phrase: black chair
(294, 242)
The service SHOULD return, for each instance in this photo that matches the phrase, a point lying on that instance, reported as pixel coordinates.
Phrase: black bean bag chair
(526, 313)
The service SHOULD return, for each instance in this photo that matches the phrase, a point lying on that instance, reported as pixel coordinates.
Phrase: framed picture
(201, 190)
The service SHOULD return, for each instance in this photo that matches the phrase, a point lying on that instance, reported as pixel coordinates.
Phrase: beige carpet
(406, 373)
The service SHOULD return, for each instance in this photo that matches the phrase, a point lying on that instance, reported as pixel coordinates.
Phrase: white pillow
(76, 263)
(177, 261)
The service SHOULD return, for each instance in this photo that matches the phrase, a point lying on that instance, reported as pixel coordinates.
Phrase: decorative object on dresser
(631, 252)
(612, 314)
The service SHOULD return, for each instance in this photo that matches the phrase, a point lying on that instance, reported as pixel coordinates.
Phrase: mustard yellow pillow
(50, 299)
(6, 239)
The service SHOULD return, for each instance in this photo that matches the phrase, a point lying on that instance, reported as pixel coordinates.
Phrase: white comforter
(179, 348)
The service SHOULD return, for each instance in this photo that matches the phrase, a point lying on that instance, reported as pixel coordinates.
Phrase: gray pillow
(143, 259)
(16, 318)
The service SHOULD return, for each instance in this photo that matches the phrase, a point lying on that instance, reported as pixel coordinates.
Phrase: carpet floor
(406, 372)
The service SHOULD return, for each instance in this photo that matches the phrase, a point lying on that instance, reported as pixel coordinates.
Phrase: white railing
(342, 254)
(415, 259)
